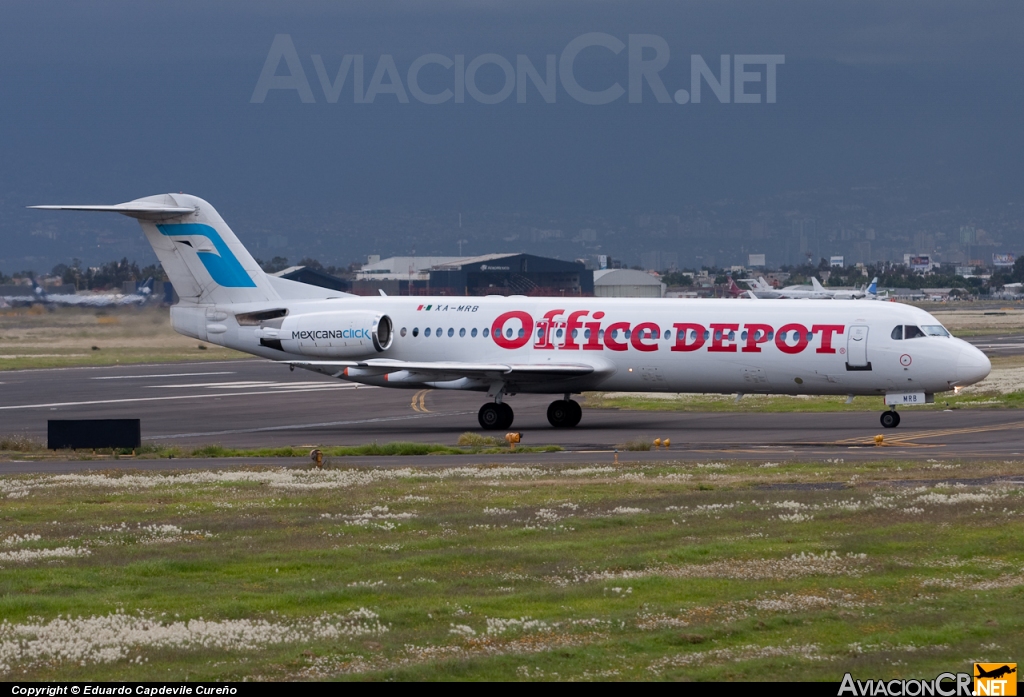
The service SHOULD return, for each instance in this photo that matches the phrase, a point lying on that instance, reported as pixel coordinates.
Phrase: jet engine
(335, 334)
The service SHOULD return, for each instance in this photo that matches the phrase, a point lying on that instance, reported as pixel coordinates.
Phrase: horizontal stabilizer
(143, 210)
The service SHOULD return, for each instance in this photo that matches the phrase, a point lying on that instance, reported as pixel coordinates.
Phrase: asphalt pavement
(252, 403)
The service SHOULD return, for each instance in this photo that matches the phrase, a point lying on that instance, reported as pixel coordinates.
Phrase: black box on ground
(93, 433)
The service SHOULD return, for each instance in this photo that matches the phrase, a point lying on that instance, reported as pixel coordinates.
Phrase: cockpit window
(897, 332)
(912, 332)
(934, 330)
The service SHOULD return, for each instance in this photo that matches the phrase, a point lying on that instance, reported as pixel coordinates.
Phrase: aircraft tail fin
(734, 289)
(873, 288)
(203, 259)
(37, 289)
(815, 283)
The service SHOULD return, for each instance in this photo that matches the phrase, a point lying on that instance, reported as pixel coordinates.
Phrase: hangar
(511, 274)
(627, 283)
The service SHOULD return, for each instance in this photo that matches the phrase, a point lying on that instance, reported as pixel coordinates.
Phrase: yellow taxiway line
(938, 433)
(419, 402)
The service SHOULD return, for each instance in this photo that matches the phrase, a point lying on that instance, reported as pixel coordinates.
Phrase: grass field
(710, 571)
(18, 447)
(39, 338)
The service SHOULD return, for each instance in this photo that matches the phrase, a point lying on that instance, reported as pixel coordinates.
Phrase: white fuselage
(673, 345)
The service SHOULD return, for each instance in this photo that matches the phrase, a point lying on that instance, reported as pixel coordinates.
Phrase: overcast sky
(109, 101)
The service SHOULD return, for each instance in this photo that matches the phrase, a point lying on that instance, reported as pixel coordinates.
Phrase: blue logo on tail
(224, 267)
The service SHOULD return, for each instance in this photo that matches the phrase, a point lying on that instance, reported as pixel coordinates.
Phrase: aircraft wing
(448, 370)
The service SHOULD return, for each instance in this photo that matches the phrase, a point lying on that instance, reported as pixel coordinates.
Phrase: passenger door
(857, 348)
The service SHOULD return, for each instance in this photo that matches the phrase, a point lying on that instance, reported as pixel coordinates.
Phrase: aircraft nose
(972, 366)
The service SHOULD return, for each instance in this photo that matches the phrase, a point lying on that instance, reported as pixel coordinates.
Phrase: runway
(251, 403)
(999, 344)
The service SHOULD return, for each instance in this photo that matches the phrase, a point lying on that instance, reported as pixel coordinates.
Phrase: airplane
(761, 289)
(846, 293)
(995, 672)
(872, 291)
(503, 346)
(40, 296)
(737, 292)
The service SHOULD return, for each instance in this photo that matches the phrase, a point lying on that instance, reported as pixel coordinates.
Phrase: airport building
(396, 275)
(313, 277)
(627, 283)
(490, 274)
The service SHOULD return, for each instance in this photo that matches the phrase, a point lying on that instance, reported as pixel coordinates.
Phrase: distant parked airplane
(816, 291)
(41, 297)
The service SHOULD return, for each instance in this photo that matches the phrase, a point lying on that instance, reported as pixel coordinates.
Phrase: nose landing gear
(890, 419)
(495, 416)
(564, 413)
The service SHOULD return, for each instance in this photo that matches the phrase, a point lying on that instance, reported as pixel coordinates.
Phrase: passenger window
(575, 333)
(487, 332)
(586, 333)
(668, 333)
(403, 331)
(897, 333)
(415, 331)
(473, 333)
(559, 333)
(522, 332)
(440, 331)
(707, 335)
(451, 332)
(426, 332)
(462, 332)
(912, 332)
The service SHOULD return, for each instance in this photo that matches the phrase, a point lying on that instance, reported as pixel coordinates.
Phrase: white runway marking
(299, 427)
(163, 375)
(53, 405)
(257, 383)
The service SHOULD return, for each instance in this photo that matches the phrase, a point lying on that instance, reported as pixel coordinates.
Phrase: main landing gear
(494, 416)
(890, 419)
(564, 413)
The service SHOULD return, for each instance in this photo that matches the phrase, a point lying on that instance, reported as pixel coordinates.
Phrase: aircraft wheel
(507, 415)
(490, 416)
(890, 419)
(564, 413)
(560, 413)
